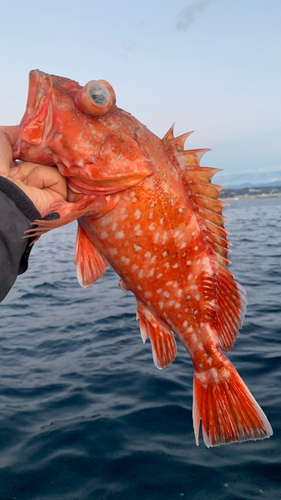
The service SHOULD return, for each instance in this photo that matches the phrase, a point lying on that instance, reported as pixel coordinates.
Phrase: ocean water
(85, 415)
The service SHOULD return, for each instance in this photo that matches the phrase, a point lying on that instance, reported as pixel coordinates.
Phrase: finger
(6, 155)
(21, 170)
(44, 177)
(12, 132)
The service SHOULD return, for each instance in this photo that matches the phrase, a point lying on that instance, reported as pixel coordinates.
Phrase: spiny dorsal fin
(227, 311)
(169, 136)
(179, 141)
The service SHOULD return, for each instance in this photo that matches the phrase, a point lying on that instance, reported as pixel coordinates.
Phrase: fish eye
(99, 94)
(95, 98)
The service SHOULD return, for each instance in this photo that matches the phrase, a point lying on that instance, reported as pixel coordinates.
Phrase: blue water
(85, 415)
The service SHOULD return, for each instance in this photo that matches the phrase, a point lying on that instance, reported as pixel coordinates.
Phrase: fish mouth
(37, 120)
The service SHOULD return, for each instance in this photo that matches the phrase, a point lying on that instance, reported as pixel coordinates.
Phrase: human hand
(42, 184)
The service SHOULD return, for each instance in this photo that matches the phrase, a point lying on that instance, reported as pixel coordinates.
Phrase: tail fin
(226, 407)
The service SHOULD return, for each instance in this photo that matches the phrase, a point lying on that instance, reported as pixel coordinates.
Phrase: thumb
(12, 132)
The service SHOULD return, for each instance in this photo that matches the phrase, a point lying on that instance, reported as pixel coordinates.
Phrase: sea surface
(84, 413)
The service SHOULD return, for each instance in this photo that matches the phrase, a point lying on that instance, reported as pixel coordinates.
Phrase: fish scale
(147, 208)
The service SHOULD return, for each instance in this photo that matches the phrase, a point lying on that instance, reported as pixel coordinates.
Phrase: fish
(147, 208)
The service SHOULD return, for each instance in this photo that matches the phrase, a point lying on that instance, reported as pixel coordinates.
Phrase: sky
(213, 66)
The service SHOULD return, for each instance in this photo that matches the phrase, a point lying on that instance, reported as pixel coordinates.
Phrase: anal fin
(90, 264)
(164, 348)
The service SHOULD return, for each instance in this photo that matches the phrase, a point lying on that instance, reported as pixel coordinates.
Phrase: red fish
(148, 209)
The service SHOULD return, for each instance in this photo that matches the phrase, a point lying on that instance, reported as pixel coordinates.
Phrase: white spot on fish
(104, 222)
(166, 294)
(156, 238)
(197, 296)
(151, 273)
(137, 214)
(165, 253)
(177, 306)
(159, 275)
(119, 235)
(167, 265)
(147, 255)
(114, 226)
(161, 304)
(141, 273)
(165, 237)
(162, 221)
(125, 260)
(135, 267)
(159, 290)
(152, 227)
(196, 248)
(132, 194)
(185, 324)
(180, 210)
(170, 303)
(200, 346)
(190, 329)
(139, 287)
(153, 259)
(206, 265)
(153, 204)
(190, 277)
(137, 248)
(183, 245)
(179, 292)
(104, 235)
(175, 266)
(194, 287)
(151, 215)
(214, 373)
(147, 294)
(113, 251)
(134, 200)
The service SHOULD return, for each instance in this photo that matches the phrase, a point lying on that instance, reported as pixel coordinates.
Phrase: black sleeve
(16, 214)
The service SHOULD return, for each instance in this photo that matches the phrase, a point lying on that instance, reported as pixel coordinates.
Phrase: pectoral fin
(95, 206)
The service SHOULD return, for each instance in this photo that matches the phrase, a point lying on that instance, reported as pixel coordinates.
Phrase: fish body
(146, 207)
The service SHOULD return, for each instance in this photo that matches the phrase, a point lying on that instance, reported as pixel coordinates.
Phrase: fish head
(83, 132)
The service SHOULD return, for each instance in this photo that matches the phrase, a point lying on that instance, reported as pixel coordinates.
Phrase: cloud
(187, 16)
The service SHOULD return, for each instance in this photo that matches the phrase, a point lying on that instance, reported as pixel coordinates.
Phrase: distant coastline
(248, 193)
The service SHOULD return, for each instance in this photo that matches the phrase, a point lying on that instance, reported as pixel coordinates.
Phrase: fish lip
(37, 120)
(76, 187)
(35, 81)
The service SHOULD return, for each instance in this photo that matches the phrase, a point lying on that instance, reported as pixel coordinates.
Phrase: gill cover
(95, 98)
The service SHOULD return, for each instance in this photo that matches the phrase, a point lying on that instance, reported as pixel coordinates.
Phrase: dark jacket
(16, 214)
